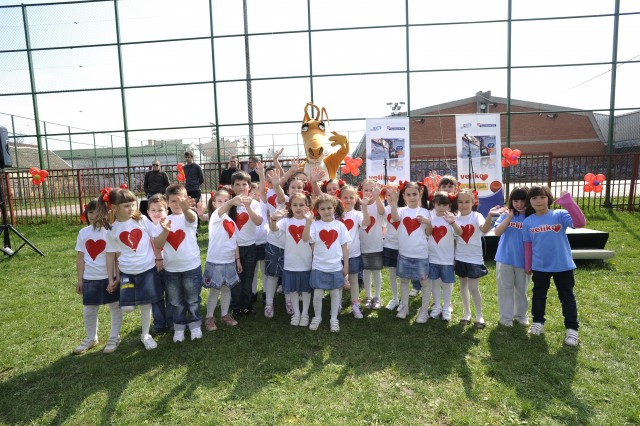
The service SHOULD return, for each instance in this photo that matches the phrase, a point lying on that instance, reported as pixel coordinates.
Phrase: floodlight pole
(612, 105)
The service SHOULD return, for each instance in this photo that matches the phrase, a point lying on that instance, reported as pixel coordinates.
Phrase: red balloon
(506, 152)
(505, 163)
(358, 161)
(355, 172)
(589, 177)
(36, 181)
(180, 167)
(598, 188)
(181, 177)
(33, 171)
(601, 177)
(588, 187)
(513, 161)
(44, 174)
(353, 167)
(516, 152)
(347, 158)
(345, 169)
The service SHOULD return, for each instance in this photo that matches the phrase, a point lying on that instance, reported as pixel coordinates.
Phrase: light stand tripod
(6, 227)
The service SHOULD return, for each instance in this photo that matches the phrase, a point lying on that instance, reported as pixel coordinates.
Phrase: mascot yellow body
(313, 135)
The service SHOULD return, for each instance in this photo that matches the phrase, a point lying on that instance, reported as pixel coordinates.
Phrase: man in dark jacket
(155, 180)
(194, 177)
(225, 175)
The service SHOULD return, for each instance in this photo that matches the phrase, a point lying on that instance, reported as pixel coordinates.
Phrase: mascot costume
(313, 128)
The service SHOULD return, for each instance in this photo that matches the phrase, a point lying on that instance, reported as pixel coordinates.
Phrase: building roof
(626, 131)
(27, 157)
(158, 148)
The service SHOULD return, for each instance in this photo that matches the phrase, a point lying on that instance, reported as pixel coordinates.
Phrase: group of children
(314, 237)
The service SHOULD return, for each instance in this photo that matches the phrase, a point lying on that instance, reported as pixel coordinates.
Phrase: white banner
(388, 154)
(480, 157)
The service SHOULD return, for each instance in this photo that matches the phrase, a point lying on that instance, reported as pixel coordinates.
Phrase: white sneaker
(536, 329)
(403, 311)
(367, 302)
(304, 320)
(435, 313)
(85, 346)
(446, 315)
(414, 292)
(280, 290)
(376, 303)
(355, 308)
(572, 337)
(295, 320)
(334, 325)
(148, 342)
(178, 336)
(393, 304)
(112, 345)
(196, 333)
(423, 315)
(315, 323)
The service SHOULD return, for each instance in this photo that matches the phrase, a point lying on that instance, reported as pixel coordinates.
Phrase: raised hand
(497, 210)
(279, 214)
(277, 154)
(187, 203)
(449, 217)
(308, 214)
(166, 225)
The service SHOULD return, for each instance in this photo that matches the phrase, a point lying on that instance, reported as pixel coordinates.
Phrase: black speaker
(5, 153)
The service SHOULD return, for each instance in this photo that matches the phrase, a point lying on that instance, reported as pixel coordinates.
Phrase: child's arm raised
(187, 205)
(276, 161)
(306, 234)
(450, 218)
(577, 217)
(502, 226)
(161, 239)
(277, 181)
(277, 215)
(253, 215)
(366, 217)
(376, 196)
(262, 185)
(392, 193)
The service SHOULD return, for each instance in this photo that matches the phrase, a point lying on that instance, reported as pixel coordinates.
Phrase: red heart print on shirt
(394, 224)
(348, 223)
(176, 238)
(229, 227)
(438, 233)
(296, 232)
(131, 239)
(371, 225)
(241, 219)
(467, 232)
(272, 200)
(328, 237)
(556, 227)
(411, 224)
(94, 248)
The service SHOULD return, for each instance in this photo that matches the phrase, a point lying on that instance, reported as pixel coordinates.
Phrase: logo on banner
(375, 128)
(486, 125)
(395, 128)
(466, 125)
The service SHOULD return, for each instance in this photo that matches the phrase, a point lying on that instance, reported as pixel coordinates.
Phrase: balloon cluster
(352, 165)
(38, 176)
(594, 182)
(510, 157)
(181, 176)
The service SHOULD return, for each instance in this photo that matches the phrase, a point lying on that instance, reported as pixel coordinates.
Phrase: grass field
(379, 370)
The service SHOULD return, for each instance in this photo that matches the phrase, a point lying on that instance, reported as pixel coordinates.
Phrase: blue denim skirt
(389, 257)
(355, 265)
(296, 281)
(273, 260)
(470, 270)
(412, 268)
(260, 251)
(218, 274)
(443, 272)
(326, 280)
(140, 289)
(94, 292)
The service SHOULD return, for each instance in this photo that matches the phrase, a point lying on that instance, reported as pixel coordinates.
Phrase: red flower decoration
(451, 196)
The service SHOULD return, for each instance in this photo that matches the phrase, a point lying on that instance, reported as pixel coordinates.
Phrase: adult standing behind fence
(225, 175)
(193, 177)
(155, 180)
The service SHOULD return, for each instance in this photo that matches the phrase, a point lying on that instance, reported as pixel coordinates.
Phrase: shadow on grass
(615, 217)
(538, 377)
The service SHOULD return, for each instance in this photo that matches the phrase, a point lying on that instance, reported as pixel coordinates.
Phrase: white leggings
(335, 302)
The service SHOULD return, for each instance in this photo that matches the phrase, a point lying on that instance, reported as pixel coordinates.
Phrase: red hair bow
(401, 185)
(221, 186)
(124, 186)
(213, 193)
(106, 194)
(83, 216)
(340, 183)
(337, 194)
(451, 196)
(307, 187)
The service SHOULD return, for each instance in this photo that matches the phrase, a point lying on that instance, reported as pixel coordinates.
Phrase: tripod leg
(24, 239)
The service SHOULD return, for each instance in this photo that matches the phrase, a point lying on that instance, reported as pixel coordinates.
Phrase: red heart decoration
(241, 219)
(328, 237)
(94, 248)
(484, 176)
(467, 232)
(394, 224)
(438, 233)
(371, 225)
(411, 224)
(176, 238)
(296, 232)
(348, 223)
(392, 178)
(229, 227)
(556, 227)
(131, 239)
(272, 200)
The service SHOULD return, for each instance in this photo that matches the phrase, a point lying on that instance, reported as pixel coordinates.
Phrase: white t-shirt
(469, 244)
(327, 239)
(274, 238)
(391, 234)
(93, 244)
(441, 242)
(181, 252)
(412, 241)
(371, 236)
(262, 230)
(297, 252)
(223, 235)
(353, 222)
(246, 227)
(132, 239)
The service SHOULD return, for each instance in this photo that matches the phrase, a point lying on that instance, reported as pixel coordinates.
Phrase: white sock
(477, 299)
(116, 318)
(270, 284)
(287, 298)
(317, 302)
(212, 301)
(354, 288)
(225, 300)
(426, 293)
(393, 282)
(377, 283)
(336, 302)
(404, 291)
(145, 317)
(254, 283)
(464, 296)
(435, 290)
(306, 300)
(295, 301)
(90, 314)
(366, 277)
(447, 290)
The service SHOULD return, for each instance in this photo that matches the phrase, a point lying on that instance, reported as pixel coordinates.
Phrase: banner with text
(479, 157)
(388, 154)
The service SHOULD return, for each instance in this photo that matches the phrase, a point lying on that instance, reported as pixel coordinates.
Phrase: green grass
(379, 370)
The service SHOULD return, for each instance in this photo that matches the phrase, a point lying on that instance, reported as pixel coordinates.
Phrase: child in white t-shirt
(371, 242)
(354, 220)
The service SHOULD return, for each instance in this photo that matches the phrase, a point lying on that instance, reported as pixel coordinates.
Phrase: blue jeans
(183, 292)
(161, 309)
(564, 282)
(242, 294)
